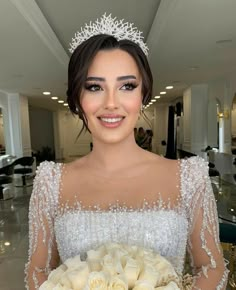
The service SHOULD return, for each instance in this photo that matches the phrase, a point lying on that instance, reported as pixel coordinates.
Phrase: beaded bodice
(166, 229)
(163, 230)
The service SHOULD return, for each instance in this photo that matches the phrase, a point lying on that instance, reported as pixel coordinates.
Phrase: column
(195, 120)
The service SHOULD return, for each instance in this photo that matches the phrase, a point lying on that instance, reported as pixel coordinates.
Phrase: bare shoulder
(76, 164)
(160, 161)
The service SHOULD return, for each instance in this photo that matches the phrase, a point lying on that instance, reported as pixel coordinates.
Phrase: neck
(115, 156)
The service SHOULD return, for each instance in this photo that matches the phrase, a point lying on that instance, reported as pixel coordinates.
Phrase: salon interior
(192, 53)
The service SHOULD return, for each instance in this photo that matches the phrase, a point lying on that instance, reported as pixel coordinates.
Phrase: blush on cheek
(134, 105)
(89, 107)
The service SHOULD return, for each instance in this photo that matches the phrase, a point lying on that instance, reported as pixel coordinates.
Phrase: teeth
(111, 120)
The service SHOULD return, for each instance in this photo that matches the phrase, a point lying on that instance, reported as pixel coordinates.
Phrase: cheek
(134, 105)
(90, 106)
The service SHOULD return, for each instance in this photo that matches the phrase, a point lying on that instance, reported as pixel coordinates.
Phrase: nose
(111, 100)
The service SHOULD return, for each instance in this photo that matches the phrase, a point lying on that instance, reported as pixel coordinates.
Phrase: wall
(41, 128)
(66, 130)
(16, 123)
(160, 127)
(2, 139)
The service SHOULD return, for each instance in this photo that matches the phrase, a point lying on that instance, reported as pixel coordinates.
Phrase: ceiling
(189, 42)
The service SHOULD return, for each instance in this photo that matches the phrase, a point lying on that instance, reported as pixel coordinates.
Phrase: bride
(120, 192)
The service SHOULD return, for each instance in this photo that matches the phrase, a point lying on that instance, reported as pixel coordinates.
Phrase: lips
(111, 121)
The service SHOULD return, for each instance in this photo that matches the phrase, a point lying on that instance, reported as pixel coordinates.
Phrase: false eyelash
(132, 84)
(89, 86)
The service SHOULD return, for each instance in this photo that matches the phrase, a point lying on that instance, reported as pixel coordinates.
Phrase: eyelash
(131, 86)
(93, 87)
(96, 87)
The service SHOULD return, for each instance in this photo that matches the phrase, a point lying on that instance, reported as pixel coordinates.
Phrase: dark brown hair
(82, 58)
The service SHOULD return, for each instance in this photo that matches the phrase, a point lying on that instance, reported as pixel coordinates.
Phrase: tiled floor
(14, 230)
(14, 238)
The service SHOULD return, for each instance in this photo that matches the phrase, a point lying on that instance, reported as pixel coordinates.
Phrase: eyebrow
(122, 78)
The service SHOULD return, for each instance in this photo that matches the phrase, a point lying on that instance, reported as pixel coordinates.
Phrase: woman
(141, 136)
(120, 192)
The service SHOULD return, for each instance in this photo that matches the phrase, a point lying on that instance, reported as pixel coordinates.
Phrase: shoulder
(194, 178)
(46, 186)
(48, 175)
(47, 169)
(164, 163)
(194, 166)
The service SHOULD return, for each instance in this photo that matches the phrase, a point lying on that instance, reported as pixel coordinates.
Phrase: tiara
(108, 25)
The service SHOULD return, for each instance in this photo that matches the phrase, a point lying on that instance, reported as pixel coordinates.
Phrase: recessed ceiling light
(157, 97)
(65, 104)
(54, 98)
(154, 100)
(46, 93)
(61, 101)
(162, 93)
(169, 87)
(193, 67)
(7, 243)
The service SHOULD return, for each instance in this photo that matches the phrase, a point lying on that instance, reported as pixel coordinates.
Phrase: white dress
(158, 226)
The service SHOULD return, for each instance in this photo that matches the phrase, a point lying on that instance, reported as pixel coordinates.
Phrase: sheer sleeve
(43, 255)
(209, 267)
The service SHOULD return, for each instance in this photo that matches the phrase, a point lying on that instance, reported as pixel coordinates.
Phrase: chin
(115, 139)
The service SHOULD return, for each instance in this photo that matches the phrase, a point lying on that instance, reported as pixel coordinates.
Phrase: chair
(6, 173)
(26, 163)
(228, 235)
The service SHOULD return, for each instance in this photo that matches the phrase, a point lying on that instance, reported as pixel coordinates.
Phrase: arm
(43, 255)
(203, 242)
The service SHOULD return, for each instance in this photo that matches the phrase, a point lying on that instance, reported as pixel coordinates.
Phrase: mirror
(2, 139)
(233, 125)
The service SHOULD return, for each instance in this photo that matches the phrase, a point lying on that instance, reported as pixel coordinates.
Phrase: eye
(93, 87)
(129, 87)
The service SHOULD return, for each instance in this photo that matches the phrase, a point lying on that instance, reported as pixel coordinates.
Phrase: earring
(141, 110)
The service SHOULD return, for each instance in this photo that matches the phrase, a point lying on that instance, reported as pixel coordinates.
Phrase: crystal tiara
(108, 25)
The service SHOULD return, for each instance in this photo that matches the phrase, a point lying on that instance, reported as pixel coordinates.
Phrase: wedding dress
(158, 225)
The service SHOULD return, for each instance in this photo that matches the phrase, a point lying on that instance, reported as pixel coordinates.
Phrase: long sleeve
(43, 255)
(209, 267)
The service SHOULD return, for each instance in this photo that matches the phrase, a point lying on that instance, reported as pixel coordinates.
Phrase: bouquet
(115, 267)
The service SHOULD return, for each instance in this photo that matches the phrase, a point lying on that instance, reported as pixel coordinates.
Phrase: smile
(111, 120)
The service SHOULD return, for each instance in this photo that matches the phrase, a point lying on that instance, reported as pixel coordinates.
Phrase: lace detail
(192, 223)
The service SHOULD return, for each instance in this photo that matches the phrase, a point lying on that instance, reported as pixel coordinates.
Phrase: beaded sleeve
(203, 245)
(43, 204)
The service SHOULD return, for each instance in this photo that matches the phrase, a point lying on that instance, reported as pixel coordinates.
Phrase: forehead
(113, 62)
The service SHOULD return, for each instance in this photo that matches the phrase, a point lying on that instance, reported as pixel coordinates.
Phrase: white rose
(47, 285)
(64, 281)
(73, 263)
(56, 274)
(96, 254)
(170, 286)
(143, 285)
(131, 271)
(60, 287)
(97, 281)
(166, 270)
(118, 283)
(108, 265)
(78, 277)
(150, 274)
(94, 265)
